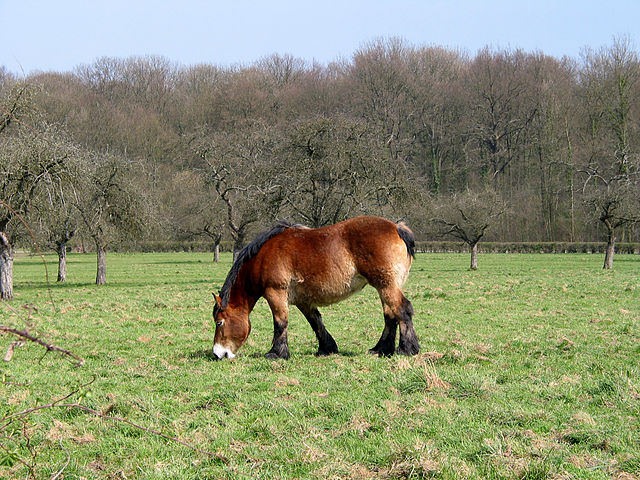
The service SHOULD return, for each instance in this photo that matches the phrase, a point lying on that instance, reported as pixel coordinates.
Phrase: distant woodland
(511, 145)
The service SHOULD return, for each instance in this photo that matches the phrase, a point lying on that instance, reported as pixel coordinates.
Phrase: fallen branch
(145, 429)
(12, 346)
(25, 413)
(58, 403)
(22, 416)
(50, 348)
(66, 464)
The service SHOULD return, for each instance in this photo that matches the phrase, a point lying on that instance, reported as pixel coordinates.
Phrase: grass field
(530, 369)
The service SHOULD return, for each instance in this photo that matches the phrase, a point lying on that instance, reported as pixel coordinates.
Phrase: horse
(291, 264)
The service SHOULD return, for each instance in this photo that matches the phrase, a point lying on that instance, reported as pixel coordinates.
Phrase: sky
(60, 35)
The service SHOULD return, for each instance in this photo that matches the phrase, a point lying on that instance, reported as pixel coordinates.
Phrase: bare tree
(281, 70)
(28, 158)
(497, 85)
(467, 216)
(54, 213)
(549, 148)
(381, 86)
(111, 203)
(329, 171)
(198, 95)
(436, 106)
(610, 83)
(232, 166)
(197, 209)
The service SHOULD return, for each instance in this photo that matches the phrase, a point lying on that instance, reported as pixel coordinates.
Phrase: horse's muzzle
(220, 352)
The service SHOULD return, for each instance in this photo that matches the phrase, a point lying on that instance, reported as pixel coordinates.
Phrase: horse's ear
(218, 299)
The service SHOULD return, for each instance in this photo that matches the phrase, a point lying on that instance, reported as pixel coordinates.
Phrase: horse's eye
(220, 323)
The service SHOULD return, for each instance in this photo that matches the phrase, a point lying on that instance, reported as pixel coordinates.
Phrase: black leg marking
(387, 343)
(326, 344)
(280, 344)
(408, 344)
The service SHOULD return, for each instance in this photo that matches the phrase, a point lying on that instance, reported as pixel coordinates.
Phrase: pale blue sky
(60, 35)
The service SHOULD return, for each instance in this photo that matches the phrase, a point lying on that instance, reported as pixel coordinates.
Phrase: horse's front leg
(326, 344)
(386, 346)
(278, 302)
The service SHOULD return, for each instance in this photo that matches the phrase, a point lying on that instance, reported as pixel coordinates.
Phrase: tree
(497, 85)
(329, 171)
(610, 83)
(197, 209)
(28, 158)
(233, 166)
(111, 203)
(198, 95)
(551, 179)
(436, 100)
(381, 84)
(467, 216)
(54, 211)
(615, 201)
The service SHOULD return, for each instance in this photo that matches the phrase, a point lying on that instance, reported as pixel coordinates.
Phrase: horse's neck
(239, 297)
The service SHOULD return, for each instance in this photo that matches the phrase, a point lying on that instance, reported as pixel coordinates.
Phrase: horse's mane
(246, 254)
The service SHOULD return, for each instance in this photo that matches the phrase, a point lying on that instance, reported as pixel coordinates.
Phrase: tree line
(504, 145)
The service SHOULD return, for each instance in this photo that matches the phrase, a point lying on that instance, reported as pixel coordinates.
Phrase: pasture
(529, 369)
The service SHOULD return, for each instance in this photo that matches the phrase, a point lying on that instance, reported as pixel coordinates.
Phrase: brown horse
(308, 268)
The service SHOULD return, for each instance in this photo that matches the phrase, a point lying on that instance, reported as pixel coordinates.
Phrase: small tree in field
(27, 161)
(54, 212)
(615, 202)
(111, 203)
(231, 167)
(467, 216)
(196, 210)
(610, 87)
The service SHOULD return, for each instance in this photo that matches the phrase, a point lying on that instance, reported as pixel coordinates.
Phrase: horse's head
(232, 329)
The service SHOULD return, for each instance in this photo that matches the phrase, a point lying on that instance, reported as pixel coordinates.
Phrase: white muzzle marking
(222, 352)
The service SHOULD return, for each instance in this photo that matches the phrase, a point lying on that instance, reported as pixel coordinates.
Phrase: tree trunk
(101, 275)
(62, 262)
(474, 256)
(611, 246)
(237, 246)
(6, 268)
(216, 253)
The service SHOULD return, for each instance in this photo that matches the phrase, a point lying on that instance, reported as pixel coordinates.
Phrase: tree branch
(50, 348)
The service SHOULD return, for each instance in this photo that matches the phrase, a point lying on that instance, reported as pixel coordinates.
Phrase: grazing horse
(295, 265)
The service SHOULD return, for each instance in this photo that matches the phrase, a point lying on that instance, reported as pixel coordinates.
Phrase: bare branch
(50, 348)
(140, 427)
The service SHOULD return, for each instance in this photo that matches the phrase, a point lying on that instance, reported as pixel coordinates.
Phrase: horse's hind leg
(398, 311)
(277, 300)
(326, 344)
(408, 344)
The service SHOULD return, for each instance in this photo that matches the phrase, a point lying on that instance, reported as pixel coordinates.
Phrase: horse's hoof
(409, 350)
(325, 353)
(381, 353)
(275, 356)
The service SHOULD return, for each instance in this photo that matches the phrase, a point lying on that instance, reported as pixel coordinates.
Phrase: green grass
(530, 369)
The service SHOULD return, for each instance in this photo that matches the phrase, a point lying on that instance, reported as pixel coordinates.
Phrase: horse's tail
(407, 236)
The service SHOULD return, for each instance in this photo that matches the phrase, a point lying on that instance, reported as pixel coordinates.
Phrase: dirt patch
(64, 431)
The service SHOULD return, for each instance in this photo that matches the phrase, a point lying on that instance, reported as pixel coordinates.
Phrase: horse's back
(325, 265)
